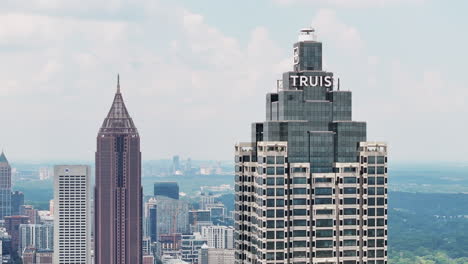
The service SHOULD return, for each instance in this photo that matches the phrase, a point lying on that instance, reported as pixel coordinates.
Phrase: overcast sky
(194, 74)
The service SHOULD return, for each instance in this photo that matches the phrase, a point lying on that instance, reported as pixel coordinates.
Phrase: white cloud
(182, 79)
(350, 3)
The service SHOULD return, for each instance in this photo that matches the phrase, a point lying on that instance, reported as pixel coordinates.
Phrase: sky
(194, 74)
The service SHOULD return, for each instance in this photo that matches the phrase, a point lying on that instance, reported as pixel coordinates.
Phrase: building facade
(5, 187)
(17, 201)
(72, 225)
(12, 224)
(216, 255)
(118, 192)
(218, 236)
(38, 236)
(309, 188)
(167, 189)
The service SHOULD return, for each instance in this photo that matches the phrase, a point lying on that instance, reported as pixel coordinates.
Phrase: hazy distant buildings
(31, 212)
(118, 192)
(5, 187)
(72, 236)
(309, 188)
(171, 216)
(17, 201)
(167, 189)
(176, 164)
(218, 236)
(199, 218)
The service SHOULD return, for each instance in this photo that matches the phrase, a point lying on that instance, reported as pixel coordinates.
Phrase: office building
(12, 224)
(198, 219)
(72, 225)
(190, 247)
(216, 255)
(29, 210)
(38, 236)
(167, 189)
(151, 216)
(17, 201)
(218, 236)
(118, 192)
(5, 187)
(171, 216)
(309, 188)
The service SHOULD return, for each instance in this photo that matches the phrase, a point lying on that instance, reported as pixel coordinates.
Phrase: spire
(118, 83)
(118, 117)
(3, 158)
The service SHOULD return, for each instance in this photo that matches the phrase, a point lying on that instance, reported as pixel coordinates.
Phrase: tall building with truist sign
(309, 188)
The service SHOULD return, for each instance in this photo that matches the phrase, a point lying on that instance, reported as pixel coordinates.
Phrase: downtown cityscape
(233, 132)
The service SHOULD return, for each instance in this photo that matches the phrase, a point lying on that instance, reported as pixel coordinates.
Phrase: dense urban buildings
(118, 192)
(5, 187)
(37, 236)
(72, 236)
(167, 189)
(209, 255)
(309, 188)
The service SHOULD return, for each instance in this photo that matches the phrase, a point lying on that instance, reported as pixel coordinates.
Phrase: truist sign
(323, 81)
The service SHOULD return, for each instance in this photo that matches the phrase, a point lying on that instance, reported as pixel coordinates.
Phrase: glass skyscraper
(5, 187)
(309, 188)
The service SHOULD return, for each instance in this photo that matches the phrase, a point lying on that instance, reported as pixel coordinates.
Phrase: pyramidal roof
(3, 158)
(118, 119)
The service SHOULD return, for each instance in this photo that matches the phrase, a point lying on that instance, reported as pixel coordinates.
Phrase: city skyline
(175, 74)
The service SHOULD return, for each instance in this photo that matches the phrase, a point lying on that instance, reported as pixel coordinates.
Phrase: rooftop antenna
(338, 84)
(118, 83)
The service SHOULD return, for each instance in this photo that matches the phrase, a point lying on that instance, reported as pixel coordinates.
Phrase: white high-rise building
(216, 255)
(218, 236)
(38, 236)
(72, 226)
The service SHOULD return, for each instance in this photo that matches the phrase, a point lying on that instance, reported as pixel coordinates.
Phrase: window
(324, 212)
(299, 202)
(299, 191)
(279, 160)
(324, 233)
(349, 221)
(350, 180)
(322, 180)
(349, 253)
(270, 181)
(324, 254)
(279, 170)
(324, 222)
(350, 211)
(279, 181)
(299, 223)
(299, 180)
(323, 200)
(270, 159)
(270, 170)
(324, 244)
(349, 242)
(323, 191)
(299, 212)
(349, 190)
(350, 201)
(371, 170)
(299, 233)
(349, 232)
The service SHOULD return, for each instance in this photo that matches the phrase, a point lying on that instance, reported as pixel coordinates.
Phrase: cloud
(349, 3)
(182, 78)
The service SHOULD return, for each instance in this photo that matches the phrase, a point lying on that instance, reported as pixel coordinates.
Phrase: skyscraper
(309, 188)
(118, 191)
(72, 225)
(17, 200)
(12, 224)
(5, 187)
(168, 189)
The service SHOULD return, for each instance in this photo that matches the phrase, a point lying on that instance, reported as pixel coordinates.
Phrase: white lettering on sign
(324, 81)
